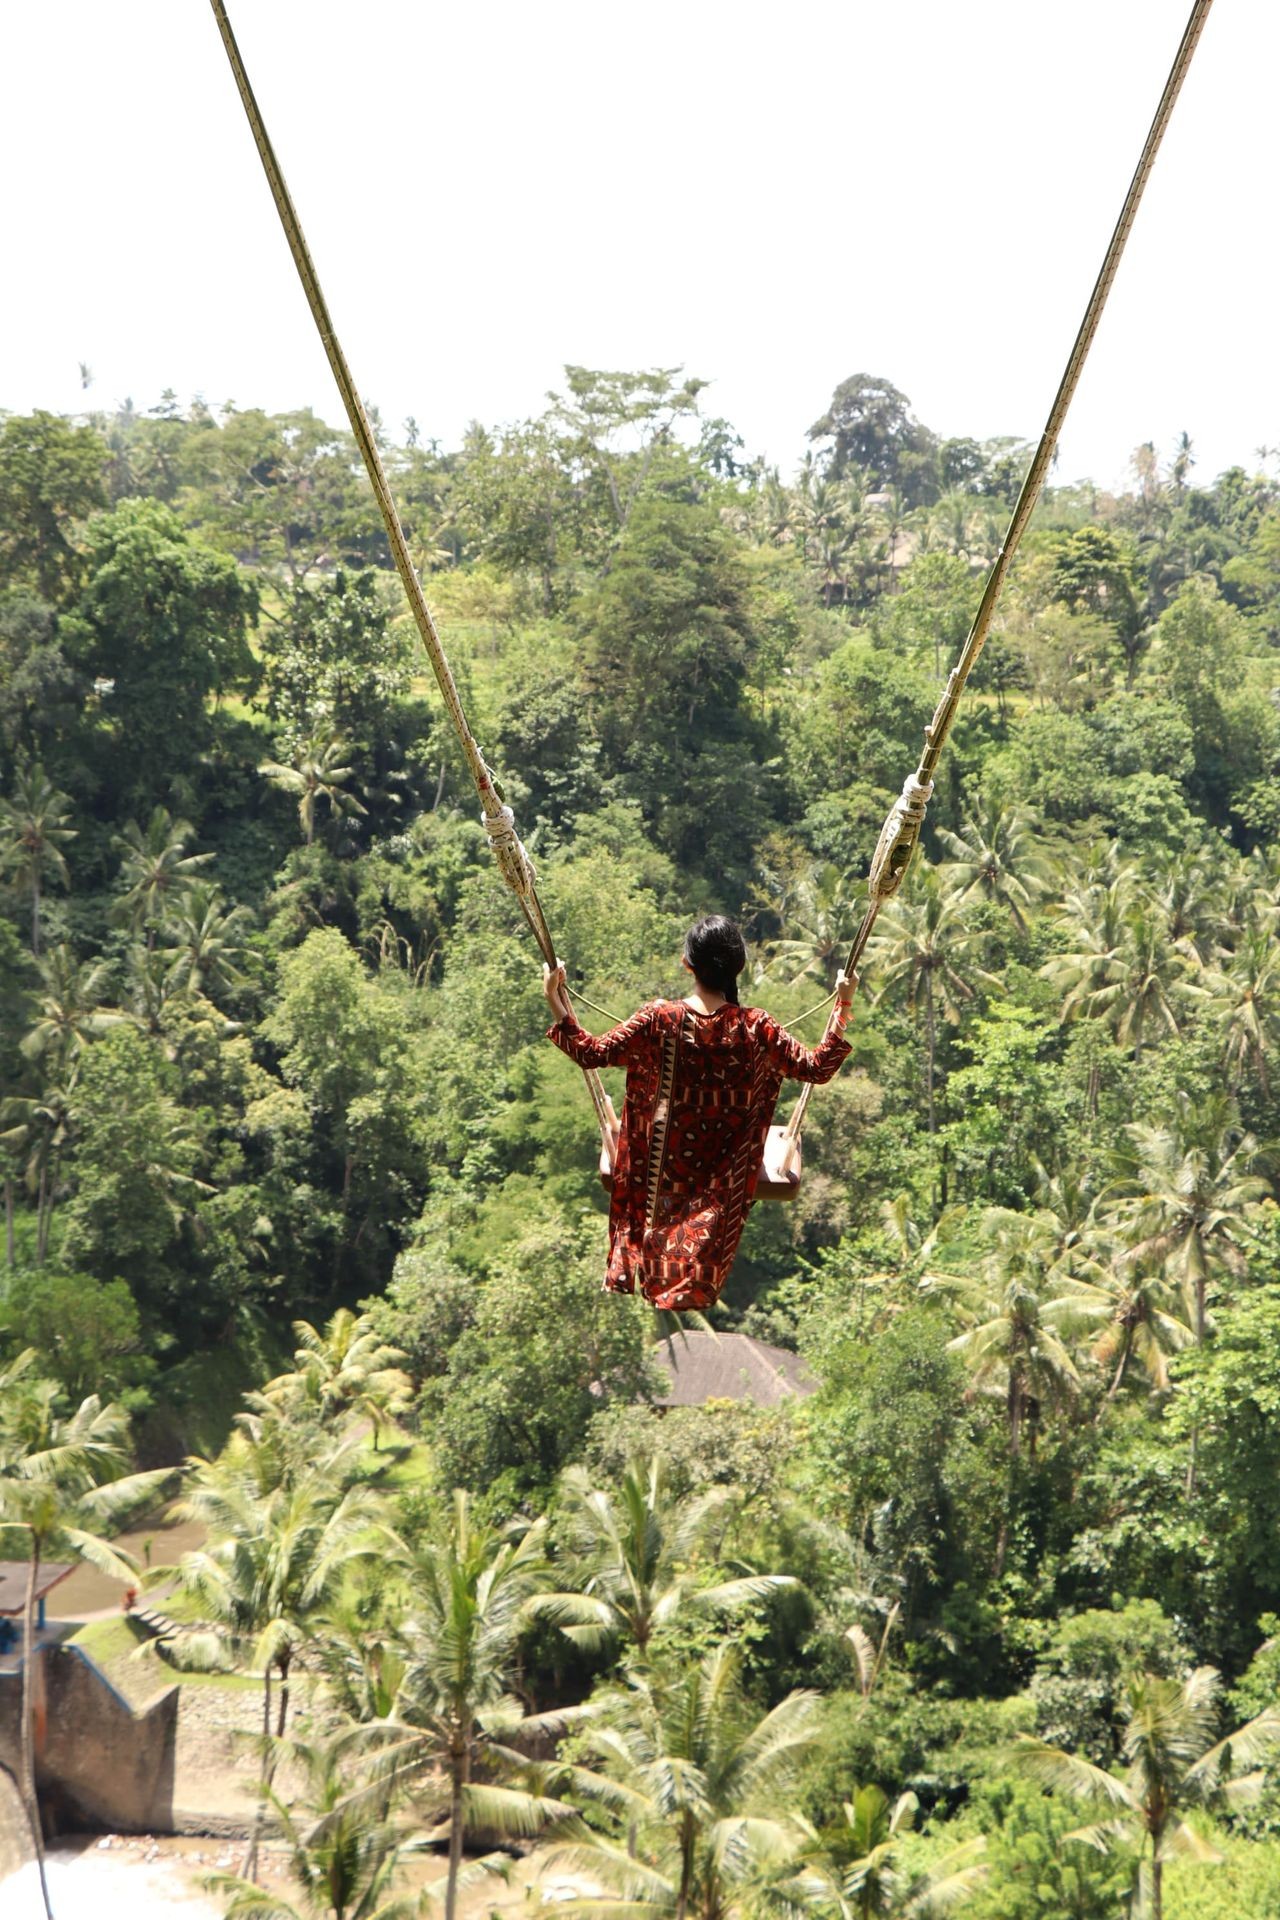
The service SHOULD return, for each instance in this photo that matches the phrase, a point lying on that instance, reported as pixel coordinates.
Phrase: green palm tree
(343, 1841)
(818, 910)
(997, 856)
(863, 1877)
(1244, 998)
(1132, 984)
(1174, 1765)
(470, 1589)
(70, 1007)
(1140, 1318)
(1015, 1305)
(62, 1490)
(284, 1525)
(1184, 1200)
(205, 941)
(317, 773)
(346, 1368)
(156, 870)
(33, 832)
(1092, 916)
(40, 1126)
(151, 988)
(696, 1783)
(1190, 895)
(630, 1551)
(923, 950)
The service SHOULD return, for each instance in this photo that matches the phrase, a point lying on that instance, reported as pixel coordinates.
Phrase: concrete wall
(15, 1835)
(101, 1765)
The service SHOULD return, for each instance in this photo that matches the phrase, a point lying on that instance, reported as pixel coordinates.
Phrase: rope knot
(898, 837)
(508, 850)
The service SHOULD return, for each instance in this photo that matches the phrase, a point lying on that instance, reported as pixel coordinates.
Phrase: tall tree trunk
(43, 1210)
(286, 1660)
(28, 1745)
(930, 1051)
(686, 1865)
(35, 915)
(458, 1780)
(1157, 1888)
(250, 1869)
(10, 1249)
(1125, 1355)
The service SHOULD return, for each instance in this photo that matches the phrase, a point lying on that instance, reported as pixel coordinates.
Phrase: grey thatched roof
(730, 1366)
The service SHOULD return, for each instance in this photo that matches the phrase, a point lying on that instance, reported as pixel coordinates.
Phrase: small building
(14, 1575)
(730, 1366)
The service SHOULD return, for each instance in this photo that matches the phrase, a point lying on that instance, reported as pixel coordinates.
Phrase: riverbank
(120, 1877)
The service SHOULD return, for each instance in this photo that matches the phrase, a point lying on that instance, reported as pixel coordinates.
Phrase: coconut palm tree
(317, 773)
(470, 1590)
(1139, 1316)
(343, 1841)
(1190, 895)
(346, 1368)
(819, 911)
(1125, 969)
(1092, 915)
(1174, 1765)
(284, 1525)
(70, 1007)
(33, 832)
(697, 1783)
(1184, 1199)
(923, 950)
(863, 1876)
(151, 988)
(156, 870)
(40, 1125)
(1243, 996)
(63, 1490)
(630, 1551)
(205, 940)
(997, 855)
(1015, 1305)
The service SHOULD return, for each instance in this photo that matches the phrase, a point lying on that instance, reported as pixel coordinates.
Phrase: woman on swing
(703, 1074)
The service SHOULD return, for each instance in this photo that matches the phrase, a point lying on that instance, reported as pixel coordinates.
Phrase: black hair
(717, 952)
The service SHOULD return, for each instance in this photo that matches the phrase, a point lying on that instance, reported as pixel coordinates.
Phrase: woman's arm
(613, 1049)
(821, 1063)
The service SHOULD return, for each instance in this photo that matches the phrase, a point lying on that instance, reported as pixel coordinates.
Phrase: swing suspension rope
(901, 831)
(499, 821)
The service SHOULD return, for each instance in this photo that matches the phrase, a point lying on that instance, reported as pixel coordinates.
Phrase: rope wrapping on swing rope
(498, 819)
(900, 834)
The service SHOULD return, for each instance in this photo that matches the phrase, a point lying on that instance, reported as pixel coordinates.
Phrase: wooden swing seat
(780, 1166)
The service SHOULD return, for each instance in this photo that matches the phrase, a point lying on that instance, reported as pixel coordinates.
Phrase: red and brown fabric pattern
(701, 1089)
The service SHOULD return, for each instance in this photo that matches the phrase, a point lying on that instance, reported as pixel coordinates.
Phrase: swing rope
(498, 819)
(901, 831)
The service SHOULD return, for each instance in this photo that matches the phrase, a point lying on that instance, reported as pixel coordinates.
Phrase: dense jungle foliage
(272, 1064)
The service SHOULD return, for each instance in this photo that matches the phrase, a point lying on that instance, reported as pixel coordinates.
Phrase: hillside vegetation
(281, 1137)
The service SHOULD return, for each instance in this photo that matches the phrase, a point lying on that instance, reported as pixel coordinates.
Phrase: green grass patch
(398, 1465)
(113, 1646)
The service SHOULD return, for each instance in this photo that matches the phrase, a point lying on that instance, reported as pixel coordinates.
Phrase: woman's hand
(553, 985)
(846, 987)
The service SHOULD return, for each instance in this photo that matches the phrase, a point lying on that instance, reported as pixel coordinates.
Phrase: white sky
(774, 196)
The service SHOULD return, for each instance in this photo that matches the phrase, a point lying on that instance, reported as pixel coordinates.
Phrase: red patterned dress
(701, 1089)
